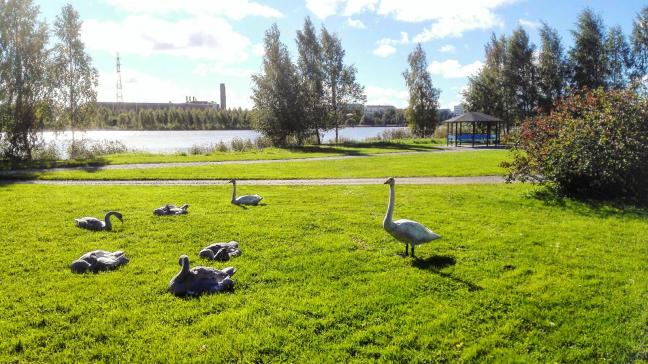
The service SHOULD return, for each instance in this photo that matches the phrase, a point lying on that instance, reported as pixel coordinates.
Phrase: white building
(458, 110)
(372, 109)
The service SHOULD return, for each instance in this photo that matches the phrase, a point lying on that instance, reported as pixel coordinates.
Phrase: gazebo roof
(470, 117)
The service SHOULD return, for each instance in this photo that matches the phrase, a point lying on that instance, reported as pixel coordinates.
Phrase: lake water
(158, 141)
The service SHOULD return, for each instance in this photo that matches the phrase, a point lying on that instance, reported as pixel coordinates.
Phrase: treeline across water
(170, 119)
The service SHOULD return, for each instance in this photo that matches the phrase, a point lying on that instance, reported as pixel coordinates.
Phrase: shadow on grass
(47, 164)
(435, 263)
(587, 206)
(345, 148)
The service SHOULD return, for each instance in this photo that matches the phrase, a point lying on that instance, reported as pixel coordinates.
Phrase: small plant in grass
(594, 145)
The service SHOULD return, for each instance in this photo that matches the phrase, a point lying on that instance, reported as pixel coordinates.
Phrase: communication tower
(120, 93)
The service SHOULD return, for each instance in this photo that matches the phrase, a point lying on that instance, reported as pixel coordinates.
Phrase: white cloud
(258, 49)
(448, 48)
(453, 69)
(529, 23)
(220, 69)
(359, 6)
(355, 23)
(386, 45)
(455, 26)
(232, 9)
(384, 50)
(197, 38)
(448, 18)
(142, 87)
(323, 8)
(386, 96)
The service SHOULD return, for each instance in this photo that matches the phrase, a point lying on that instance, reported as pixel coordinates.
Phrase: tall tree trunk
(317, 134)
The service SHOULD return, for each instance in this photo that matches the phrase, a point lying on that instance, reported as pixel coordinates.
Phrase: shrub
(393, 134)
(594, 144)
(238, 145)
(84, 149)
(222, 147)
(46, 152)
(441, 132)
(262, 142)
(197, 149)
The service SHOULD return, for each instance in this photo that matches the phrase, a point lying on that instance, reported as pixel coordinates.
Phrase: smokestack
(223, 103)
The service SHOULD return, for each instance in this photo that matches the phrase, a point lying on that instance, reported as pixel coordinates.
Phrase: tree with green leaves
(552, 69)
(588, 59)
(76, 95)
(276, 93)
(619, 58)
(311, 76)
(340, 84)
(640, 45)
(24, 82)
(421, 112)
(485, 92)
(520, 75)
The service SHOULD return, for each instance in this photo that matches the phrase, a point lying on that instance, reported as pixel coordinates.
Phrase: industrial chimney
(223, 101)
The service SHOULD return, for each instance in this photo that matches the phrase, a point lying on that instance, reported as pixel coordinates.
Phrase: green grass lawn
(514, 279)
(470, 163)
(309, 151)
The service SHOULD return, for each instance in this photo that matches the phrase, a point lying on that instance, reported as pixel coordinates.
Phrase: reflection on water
(163, 141)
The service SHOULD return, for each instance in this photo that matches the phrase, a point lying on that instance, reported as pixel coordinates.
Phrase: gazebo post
(460, 133)
(488, 131)
(473, 134)
(497, 133)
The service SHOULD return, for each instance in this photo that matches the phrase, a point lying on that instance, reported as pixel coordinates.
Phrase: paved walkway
(274, 182)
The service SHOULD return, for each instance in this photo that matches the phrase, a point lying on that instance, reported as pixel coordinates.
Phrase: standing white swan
(92, 223)
(245, 199)
(405, 231)
(199, 280)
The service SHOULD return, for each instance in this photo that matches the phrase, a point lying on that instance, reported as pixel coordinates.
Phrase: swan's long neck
(107, 221)
(234, 191)
(185, 268)
(390, 207)
(184, 271)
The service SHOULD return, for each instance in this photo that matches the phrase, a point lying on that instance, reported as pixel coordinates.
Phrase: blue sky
(172, 49)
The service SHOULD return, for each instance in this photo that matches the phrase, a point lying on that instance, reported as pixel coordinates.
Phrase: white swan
(98, 260)
(405, 231)
(92, 223)
(245, 199)
(193, 282)
(171, 210)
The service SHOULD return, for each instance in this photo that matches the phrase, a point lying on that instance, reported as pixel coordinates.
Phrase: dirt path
(216, 163)
(276, 182)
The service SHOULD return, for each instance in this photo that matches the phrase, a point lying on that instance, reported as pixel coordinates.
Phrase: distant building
(444, 114)
(373, 109)
(354, 107)
(458, 110)
(190, 103)
(223, 98)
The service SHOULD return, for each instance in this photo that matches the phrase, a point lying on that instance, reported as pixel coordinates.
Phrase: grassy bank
(309, 151)
(477, 163)
(513, 279)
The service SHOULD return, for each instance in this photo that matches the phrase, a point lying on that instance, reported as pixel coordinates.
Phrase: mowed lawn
(468, 163)
(308, 151)
(513, 278)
